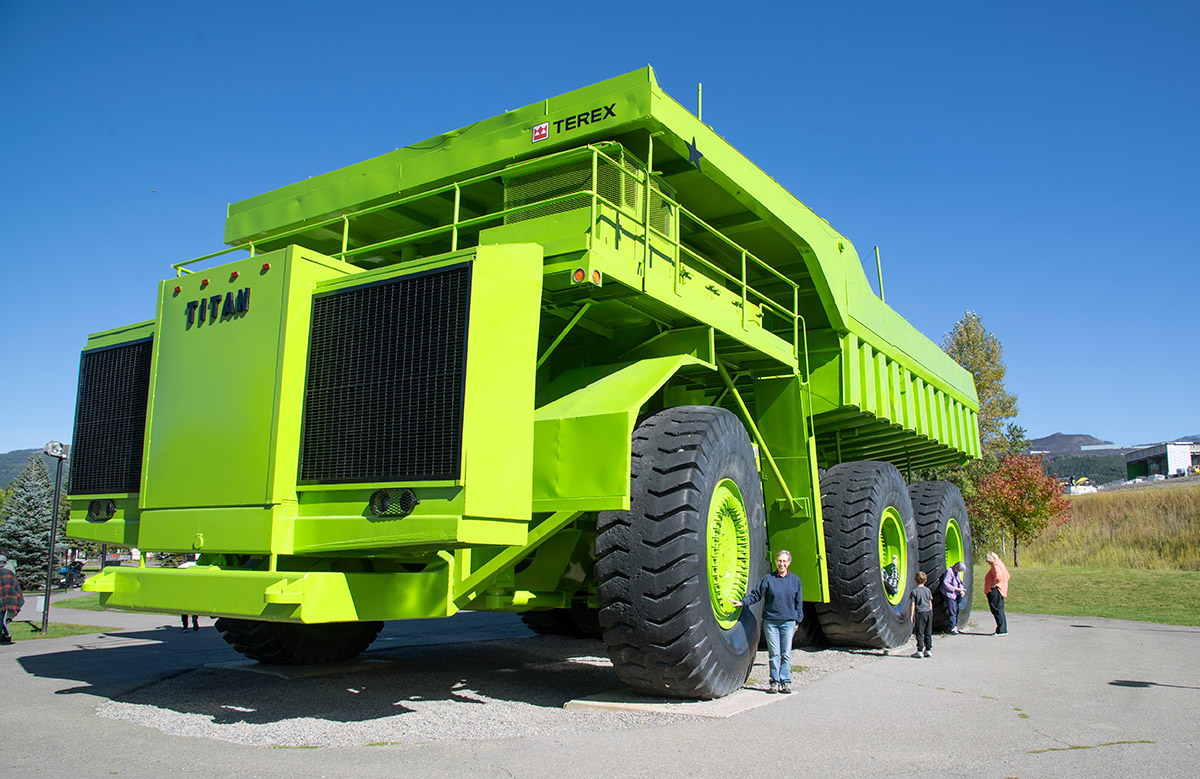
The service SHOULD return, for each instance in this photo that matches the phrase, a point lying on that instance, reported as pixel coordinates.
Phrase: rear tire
(287, 643)
(693, 541)
(943, 538)
(867, 516)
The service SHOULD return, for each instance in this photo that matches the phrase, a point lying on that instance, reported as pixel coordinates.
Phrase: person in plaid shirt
(11, 599)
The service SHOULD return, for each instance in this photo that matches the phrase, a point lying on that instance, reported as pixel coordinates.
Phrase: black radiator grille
(386, 369)
(110, 419)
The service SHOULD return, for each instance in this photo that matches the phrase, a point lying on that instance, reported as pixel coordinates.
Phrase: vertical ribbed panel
(110, 419)
(386, 374)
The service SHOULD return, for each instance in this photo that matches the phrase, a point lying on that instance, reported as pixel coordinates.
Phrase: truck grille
(110, 419)
(386, 371)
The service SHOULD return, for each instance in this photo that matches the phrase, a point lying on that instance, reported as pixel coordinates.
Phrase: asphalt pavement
(1058, 696)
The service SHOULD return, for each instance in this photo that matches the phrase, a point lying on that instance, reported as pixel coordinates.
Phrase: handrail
(596, 153)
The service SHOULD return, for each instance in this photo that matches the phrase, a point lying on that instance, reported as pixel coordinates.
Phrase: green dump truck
(581, 361)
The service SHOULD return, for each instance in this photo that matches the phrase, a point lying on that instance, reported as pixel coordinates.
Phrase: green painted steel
(727, 539)
(954, 543)
(621, 258)
(893, 550)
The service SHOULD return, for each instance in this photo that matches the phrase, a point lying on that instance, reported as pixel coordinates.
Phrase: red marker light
(233, 275)
(579, 276)
(204, 282)
(178, 290)
(266, 266)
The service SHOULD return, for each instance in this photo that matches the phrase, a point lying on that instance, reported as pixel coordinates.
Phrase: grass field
(1171, 597)
(25, 631)
(83, 602)
(1156, 529)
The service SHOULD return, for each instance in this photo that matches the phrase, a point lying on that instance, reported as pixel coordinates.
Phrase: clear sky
(1033, 161)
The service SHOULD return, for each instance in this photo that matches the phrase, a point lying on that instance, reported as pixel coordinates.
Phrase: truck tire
(549, 622)
(868, 520)
(943, 539)
(286, 643)
(808, 633)
(579, 621)
(693, 541)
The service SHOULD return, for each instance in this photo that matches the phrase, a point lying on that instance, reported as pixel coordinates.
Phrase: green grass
(83, 602)
(1144, 595)
(25, 631)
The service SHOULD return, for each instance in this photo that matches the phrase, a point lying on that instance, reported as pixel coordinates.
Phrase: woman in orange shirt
(995, 586)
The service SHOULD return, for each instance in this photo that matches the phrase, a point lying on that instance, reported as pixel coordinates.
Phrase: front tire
(287, 643)
(868, 521)
(693, 540)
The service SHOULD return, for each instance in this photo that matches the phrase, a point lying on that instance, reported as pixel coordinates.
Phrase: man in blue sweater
(783, 610)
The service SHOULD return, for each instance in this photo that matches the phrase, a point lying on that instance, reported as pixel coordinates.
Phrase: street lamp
(56, 450)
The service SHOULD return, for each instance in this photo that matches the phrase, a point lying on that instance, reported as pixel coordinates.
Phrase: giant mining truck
(581, 361)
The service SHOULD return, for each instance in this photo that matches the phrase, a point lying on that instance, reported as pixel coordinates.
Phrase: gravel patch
(512, 688)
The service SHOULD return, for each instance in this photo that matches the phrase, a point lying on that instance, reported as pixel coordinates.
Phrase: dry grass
(1147, 529)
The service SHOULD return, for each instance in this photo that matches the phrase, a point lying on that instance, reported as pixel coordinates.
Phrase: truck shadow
(175, 673)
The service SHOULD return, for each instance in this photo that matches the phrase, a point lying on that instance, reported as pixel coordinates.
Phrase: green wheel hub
(728, 545)
(954, 543)
(892, 544)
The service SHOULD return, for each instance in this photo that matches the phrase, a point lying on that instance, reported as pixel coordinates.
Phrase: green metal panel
(317, 596)
(582, 434)
(215, 433)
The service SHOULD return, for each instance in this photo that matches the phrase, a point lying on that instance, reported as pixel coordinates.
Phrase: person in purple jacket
(783, 597)
(952, 590)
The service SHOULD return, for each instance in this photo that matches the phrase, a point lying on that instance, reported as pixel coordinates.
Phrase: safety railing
(681, 254)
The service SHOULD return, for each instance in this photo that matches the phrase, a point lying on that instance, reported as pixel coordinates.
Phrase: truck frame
(581, 361)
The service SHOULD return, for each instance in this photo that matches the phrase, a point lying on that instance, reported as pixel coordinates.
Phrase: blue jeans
(952, 606)
(779, 649)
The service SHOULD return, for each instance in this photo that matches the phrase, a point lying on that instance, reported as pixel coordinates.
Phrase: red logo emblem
(541, 132)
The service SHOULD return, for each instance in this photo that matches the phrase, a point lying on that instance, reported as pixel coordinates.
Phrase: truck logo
(216, 308)
(542, 131)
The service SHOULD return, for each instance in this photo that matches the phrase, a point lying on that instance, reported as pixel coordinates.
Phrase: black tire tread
(286, 643)
(652, 588)
(853, 497)
(934, 502)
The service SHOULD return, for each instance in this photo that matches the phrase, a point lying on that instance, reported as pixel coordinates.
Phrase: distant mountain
(12, 463)
(1195, 439)
(1076, 444)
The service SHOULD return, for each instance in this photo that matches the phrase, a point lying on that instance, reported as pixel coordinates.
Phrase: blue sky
(1035, 162)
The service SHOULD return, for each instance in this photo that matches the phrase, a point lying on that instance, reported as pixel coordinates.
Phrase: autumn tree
(1017, 499)
(978, 350)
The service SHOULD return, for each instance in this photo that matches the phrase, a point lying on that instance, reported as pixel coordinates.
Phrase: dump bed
(878, 389)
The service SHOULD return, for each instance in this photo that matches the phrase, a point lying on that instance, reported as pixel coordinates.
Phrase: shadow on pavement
(165, 668)
(1135, 683)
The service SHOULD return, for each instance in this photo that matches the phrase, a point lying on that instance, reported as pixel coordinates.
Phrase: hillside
(1073, 443)
(12, 463)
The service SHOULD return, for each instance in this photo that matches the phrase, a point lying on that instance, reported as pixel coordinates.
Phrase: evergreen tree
(25, 532)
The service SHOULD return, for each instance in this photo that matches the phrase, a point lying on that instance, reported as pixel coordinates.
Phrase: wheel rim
(728, 551)
(954, 544)
(892, 544)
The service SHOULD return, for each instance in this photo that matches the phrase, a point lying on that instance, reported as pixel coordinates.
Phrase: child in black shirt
(922, 615)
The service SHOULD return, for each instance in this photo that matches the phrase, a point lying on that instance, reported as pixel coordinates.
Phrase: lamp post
(56, 450)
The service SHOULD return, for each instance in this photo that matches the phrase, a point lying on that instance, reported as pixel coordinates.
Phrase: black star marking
(694, 154)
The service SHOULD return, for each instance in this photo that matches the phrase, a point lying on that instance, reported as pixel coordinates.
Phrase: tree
(1017, 498)
(979, 351)
(25, 532)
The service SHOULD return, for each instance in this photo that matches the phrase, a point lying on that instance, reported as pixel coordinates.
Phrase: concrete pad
(743, 700)
(301, 671)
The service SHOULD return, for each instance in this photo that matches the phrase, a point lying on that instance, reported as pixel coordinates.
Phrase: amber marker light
(595, 277)
(579, 275)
